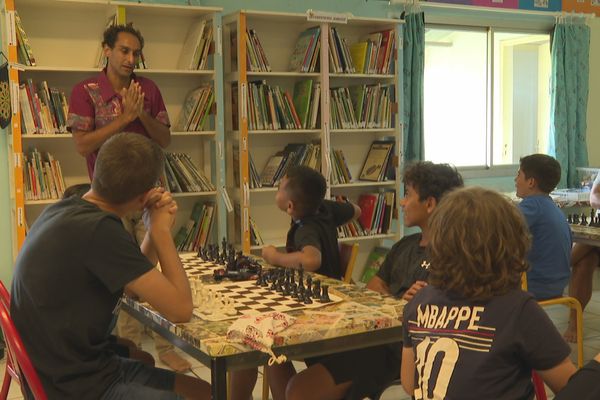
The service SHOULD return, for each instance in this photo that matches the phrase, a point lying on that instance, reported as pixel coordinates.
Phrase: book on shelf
(340, 60)
(44, 109)
(181, 175)
(306, 53)
(374, 261)
(375, 54)
(256, 58)
(377, 161)
(194, 53)
(352, 228)
(340, 173)
(377, 211)
(306, 102)
(195, 110)
(24, 52)
(270, 108)
(42, 176)
(308, 154)
(255, 237)
(195, 233)
(362, 106)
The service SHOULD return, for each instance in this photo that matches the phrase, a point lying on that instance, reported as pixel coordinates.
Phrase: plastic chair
(348, 253)
(18, 364)
(538, 387)
(573, 304)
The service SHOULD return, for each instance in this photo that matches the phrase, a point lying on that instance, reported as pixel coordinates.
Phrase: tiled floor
(557, 313)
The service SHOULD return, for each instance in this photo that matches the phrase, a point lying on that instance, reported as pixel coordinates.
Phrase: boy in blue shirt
(550, 252)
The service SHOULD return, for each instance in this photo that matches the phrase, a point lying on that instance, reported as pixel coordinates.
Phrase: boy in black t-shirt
(75, 264)
(311, 244)
(472, 333)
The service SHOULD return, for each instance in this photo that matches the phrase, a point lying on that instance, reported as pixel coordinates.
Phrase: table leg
(218, 374)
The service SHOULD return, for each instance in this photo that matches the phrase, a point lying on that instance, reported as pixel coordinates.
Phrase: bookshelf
(278, 34)
(65, 37)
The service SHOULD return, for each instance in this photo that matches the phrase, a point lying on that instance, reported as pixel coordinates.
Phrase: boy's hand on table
(268, 253)
(410, 293)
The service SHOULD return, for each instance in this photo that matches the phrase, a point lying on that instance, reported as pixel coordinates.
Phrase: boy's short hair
(112, 32)
(432, 180)
(128, 165)
(77, 190)
(543, 168)
(478, 244)
(306, 188)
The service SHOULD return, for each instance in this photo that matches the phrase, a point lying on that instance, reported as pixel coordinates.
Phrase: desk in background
(366, 319)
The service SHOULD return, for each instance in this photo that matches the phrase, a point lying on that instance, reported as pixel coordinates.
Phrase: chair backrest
(538, 386)
(17, 356)
(4, 295)
(348, 253)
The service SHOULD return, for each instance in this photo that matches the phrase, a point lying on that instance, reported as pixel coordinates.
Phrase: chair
(18, 365)
(573, 304)
(538, 387)
(348, 253)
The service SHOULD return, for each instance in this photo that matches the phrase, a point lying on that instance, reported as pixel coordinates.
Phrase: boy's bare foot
(175, 361)
(570, 334)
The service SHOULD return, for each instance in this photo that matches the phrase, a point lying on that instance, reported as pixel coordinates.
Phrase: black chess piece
(569, 219)
(259, 279)
(308, 291)
(592, 214)
(576, 219)
(325, 295)
(307, 299)
(316, 289)
(294, 292)
(583, 219)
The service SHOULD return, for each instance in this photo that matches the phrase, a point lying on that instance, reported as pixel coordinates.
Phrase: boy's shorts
(138, 381)
(372, 368)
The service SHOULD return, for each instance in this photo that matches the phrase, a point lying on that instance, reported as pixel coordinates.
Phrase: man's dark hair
(543, 168)
(127, 166)
(306, 188)
(112, 32)
(432, 180)
(77, 190)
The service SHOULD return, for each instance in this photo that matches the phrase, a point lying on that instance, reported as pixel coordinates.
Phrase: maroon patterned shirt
(94, 104)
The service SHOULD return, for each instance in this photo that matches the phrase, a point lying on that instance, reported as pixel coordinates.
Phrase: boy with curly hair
(472, 333)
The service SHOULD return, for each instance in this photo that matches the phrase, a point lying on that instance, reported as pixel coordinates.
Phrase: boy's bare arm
(557, 377)
(168, 292)
(378, 285)
(357, 211)
(309, 258)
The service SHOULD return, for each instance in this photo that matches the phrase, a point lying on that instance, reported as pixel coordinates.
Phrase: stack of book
(339, 171)
(194, 54)
(375, 54)
(362, 106)
(256, 58)
(181, 175)
(306, 101)
(254, 175)
(195, 233)
(379, 164)
(306, 53)
(24, 52)
(350, 229)
(195, 110)
(43, 178)
(340, 60)
(43, 109)
(308, 154)
(270, 108)
(377, 211)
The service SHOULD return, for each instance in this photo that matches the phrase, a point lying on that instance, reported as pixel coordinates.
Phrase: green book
(373, 263)
(302, 96)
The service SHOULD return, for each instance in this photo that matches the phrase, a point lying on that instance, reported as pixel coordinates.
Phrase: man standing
(117, 100)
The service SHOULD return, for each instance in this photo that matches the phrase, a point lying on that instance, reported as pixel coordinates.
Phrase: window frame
(489, 170)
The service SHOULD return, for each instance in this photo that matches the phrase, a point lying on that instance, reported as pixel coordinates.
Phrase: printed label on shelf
(220, 150)
(14, 96)
(243, 102)
(19, 216)
(246, 190)
(18, 160)
(219, 44)
(323, 16)
(11, 33)
(226, 199)
(246, 222)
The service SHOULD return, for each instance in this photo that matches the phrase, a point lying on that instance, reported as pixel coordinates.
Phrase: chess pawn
(569, 219)
(325, 295)
(316, 289)
(308, 291)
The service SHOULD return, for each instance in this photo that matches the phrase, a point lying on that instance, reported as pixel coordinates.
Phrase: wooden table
(365, 319)
(586, 234)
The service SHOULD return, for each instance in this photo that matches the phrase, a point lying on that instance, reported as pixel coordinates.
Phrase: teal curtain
(569, 87)
(413, 71)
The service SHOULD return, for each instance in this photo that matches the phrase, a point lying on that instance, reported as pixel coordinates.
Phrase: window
(486, 95)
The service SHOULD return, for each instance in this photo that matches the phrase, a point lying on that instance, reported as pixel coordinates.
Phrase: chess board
(250, 299)
(196, 267)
